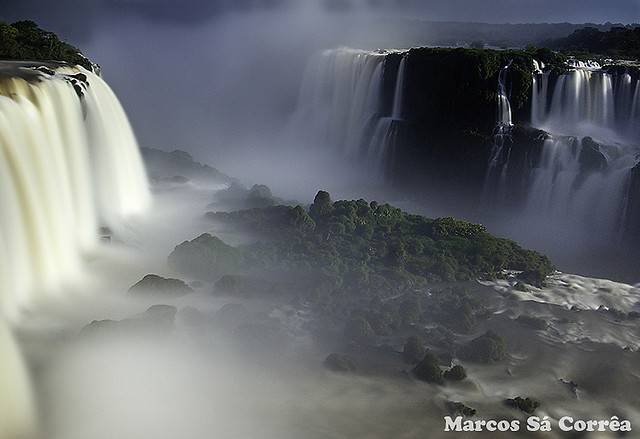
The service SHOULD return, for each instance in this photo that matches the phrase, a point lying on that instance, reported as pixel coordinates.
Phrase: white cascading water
(585, 101)
(69, 164)
(341, 102)
(504, 106)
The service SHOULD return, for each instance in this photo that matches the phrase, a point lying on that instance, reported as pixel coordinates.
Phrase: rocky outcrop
(178, 166)
(153, 284)
(206, 258)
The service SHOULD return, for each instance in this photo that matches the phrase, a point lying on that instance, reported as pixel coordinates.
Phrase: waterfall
(342, 103)
(69, 164)
(567, 194)
(504, 107)
(398, 95)
(575, 182)
(587, 102)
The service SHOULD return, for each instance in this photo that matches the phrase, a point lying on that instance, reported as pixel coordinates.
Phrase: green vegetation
(24, 40)
(618, 42)
(487, 348)
(457, 88)
(363, 244)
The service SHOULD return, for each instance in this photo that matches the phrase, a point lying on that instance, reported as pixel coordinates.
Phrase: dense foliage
(24, 40)
(618, 42)
(355, 240)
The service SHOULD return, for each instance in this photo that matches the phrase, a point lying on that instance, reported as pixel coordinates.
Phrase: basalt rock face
(455, 90)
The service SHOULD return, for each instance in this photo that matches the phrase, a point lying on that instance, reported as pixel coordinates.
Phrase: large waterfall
(587, 101)
(69, 165)
(342, 103)
(579, 178)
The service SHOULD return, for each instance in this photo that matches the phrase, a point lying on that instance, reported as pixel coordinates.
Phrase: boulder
(487, 348)
(339, 363)
(429, 370)
(527, 405)
(205, 258)
(152, 284)
(413, 350)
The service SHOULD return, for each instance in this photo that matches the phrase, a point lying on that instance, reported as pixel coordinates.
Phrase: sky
(77, 19)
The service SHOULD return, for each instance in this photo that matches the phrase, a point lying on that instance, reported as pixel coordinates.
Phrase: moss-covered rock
(206, 257)
(488, 348)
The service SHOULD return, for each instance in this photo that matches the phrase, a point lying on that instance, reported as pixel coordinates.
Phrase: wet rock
(205, 258)
(487, 348)
(358, 329)
(153, 284)
(428, 370)
(164, 165)
(591, 158)
(532, 322)
(459, 409)
(340, 363)
(456, 373)
(158, 320)
(527, 405)
(414, 350)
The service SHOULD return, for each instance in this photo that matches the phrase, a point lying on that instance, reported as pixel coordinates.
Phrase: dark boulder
(591, 158)
(153, 284)
(459, 409)
(205, 258)
(340, 363)
(487, 348)
(414, 350)
(429, 369)
(456, 373)
(527, 405)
